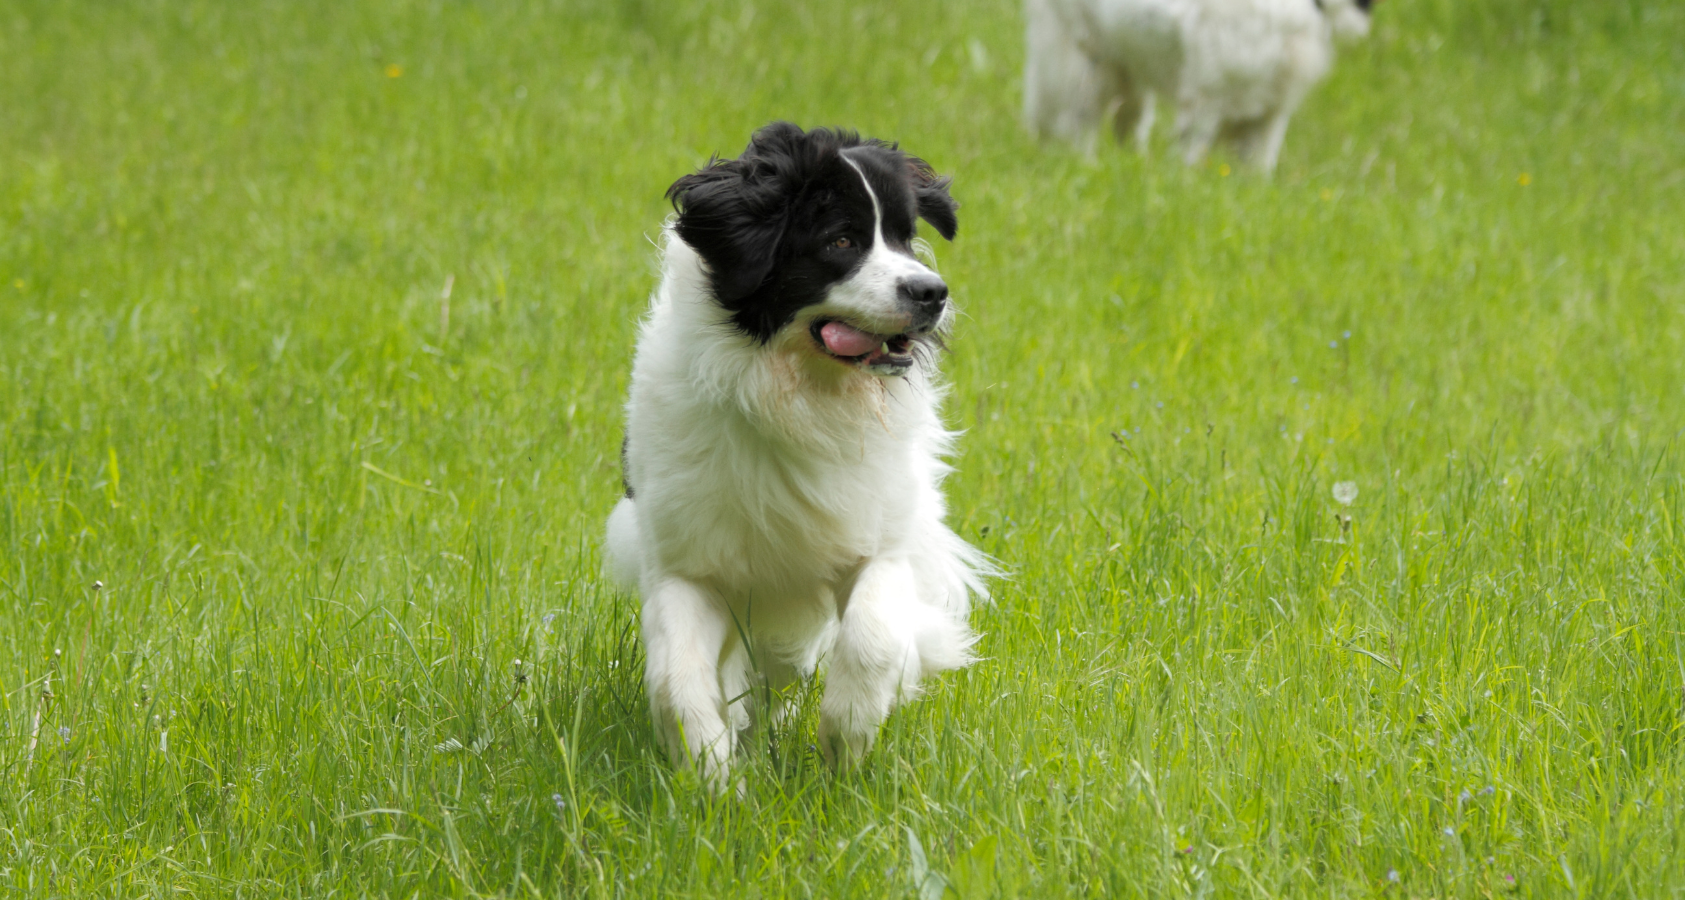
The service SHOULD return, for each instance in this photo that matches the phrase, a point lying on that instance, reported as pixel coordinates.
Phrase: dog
(1235, 69)
(784, 450)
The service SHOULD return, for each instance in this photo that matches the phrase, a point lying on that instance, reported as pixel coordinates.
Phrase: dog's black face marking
(792, 216)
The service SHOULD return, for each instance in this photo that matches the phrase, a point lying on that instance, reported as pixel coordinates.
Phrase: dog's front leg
(685, 629)
(875, 661)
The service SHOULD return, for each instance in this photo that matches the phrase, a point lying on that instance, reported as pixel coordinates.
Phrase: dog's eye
(842, 243)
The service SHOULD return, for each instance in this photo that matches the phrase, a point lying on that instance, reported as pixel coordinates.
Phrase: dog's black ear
(734, 212)
(734, 220)
(934, 204)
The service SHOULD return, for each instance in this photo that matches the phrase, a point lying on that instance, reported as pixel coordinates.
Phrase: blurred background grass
(326, 517)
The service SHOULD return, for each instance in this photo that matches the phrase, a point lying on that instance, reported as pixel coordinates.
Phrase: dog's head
(813, 232)
(1349, 19)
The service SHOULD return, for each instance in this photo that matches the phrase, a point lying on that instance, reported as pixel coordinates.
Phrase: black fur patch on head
(769, 223)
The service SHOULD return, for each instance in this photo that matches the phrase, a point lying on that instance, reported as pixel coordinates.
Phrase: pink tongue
(846, 340)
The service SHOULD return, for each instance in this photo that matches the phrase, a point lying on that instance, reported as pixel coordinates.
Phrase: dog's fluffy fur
(782, 506)
(1235, 69)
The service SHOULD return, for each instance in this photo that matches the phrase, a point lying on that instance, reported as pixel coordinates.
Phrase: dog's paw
(844, 747)
(705, 751)
(715, 771)
(722, 780)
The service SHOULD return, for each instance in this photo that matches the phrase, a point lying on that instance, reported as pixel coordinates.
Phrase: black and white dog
(783, 452)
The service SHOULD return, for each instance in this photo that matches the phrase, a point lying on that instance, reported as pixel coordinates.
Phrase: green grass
(273, 530)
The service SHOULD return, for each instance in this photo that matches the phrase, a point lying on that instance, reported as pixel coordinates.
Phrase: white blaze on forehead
(880, 255)
(877, 211)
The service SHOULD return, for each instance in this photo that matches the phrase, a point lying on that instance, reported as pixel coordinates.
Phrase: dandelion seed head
(1345, 492)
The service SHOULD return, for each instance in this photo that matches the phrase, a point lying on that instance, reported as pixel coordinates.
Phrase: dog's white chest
(762, 516)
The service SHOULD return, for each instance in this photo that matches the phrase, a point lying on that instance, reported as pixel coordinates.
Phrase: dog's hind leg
(685, 634)
(1132, 115)
(874, 663)
(1259, 143)
(739, 683)
(624, 545)
(773, 703)
(1144, 123)
(1196, 130)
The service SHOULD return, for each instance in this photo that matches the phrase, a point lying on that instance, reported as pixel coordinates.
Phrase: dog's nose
(926, 293)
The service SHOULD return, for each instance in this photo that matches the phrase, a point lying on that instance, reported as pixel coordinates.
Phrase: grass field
(299, 563)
